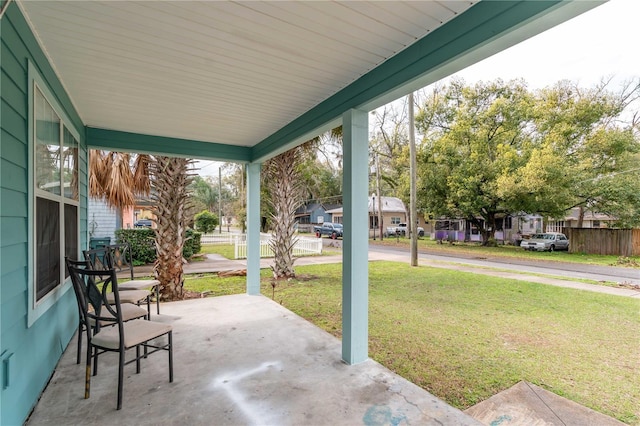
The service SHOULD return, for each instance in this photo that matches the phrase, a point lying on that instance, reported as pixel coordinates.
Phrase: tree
(474, 138)
(206, 222)
(283, 192)
(170, 179)
(496, 148)
(203, 192)
(282, 180)
(115, 178)
(585, 154)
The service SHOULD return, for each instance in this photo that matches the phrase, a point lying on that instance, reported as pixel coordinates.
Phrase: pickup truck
(334, 230)
(402, 229)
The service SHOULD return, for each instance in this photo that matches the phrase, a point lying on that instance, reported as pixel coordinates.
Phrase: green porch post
(253, 228)
(355, 268)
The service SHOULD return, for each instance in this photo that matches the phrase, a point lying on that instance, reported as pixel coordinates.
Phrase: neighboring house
(511, 227)
(393, 213)
(312, 213)
(103, 219)
(508, 228)
(590, 219)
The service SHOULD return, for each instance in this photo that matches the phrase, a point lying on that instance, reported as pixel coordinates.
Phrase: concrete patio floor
(241, 360)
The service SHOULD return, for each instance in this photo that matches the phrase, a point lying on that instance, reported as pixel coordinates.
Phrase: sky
(603, 42)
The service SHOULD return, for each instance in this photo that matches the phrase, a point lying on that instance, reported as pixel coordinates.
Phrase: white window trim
(36, 308)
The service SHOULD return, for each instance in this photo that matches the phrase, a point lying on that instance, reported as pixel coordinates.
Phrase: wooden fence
(619, 242)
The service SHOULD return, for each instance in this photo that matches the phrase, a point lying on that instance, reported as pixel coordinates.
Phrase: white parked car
(549, 241)
(401, 229)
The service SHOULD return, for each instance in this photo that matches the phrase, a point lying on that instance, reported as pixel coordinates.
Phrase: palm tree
(285, 187)
(112, 177)
(283, 181)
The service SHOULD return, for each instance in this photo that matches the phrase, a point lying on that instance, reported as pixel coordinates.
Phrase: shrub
(206, 222)
(192, 244)
(142, 243)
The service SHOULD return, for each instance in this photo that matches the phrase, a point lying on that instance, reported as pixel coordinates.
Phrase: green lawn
(476, 250)
(226, 250)
(465, 337)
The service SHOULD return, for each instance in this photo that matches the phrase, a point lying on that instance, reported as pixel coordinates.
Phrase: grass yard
(465, 337)
(226, 250)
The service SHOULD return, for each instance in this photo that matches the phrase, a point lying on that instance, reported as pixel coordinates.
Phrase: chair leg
(170, 357)
(158, 299)
(87, 374)
(120, 377)
(80, 331)
(138, 358)
(95, 363)
(149, 307)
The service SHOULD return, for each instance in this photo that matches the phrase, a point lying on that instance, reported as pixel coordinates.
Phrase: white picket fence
(225, 238)
(303, 247)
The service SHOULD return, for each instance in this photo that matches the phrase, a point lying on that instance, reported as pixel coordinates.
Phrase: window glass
(70, 232)
(47, 149)
(47, 246)
(55, 151)
(69, 165)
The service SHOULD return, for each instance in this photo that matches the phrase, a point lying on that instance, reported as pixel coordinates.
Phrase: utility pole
(413, 215)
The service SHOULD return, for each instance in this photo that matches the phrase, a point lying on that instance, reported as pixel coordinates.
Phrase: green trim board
(421, 64)
(135, 142)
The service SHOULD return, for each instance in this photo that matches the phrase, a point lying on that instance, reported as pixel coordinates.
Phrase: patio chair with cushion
(122, 261)
(122, 335)
(129, 310)
(101, 260)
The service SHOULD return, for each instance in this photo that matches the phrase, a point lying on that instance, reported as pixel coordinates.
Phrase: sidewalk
(216, 263)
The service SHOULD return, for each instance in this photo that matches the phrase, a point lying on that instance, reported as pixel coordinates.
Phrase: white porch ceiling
(217, 71)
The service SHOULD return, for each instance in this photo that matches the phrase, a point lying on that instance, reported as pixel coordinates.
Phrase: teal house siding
(29, 354)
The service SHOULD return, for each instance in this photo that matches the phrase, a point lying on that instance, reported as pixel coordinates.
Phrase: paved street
(561, 269)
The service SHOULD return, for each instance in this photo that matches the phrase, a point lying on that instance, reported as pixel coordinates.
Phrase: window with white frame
(56, 200)
(395, 220)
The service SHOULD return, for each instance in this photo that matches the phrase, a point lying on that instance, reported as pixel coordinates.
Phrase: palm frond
(97, 172)
(119, 188)
(141, 176)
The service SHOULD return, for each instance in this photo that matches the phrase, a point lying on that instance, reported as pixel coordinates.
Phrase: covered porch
(236, 362)
(229, 81)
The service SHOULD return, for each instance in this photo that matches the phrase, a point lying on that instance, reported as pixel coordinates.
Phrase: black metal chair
(101, 260)
(121, 260)
(129, 310)
(121, 336)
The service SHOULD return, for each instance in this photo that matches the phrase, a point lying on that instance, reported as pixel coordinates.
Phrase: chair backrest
(120, 258)
(78, 264)
(99, 259)
(92, 298)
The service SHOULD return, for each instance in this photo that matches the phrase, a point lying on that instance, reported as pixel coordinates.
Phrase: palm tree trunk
(284, 184)
(170, 180)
